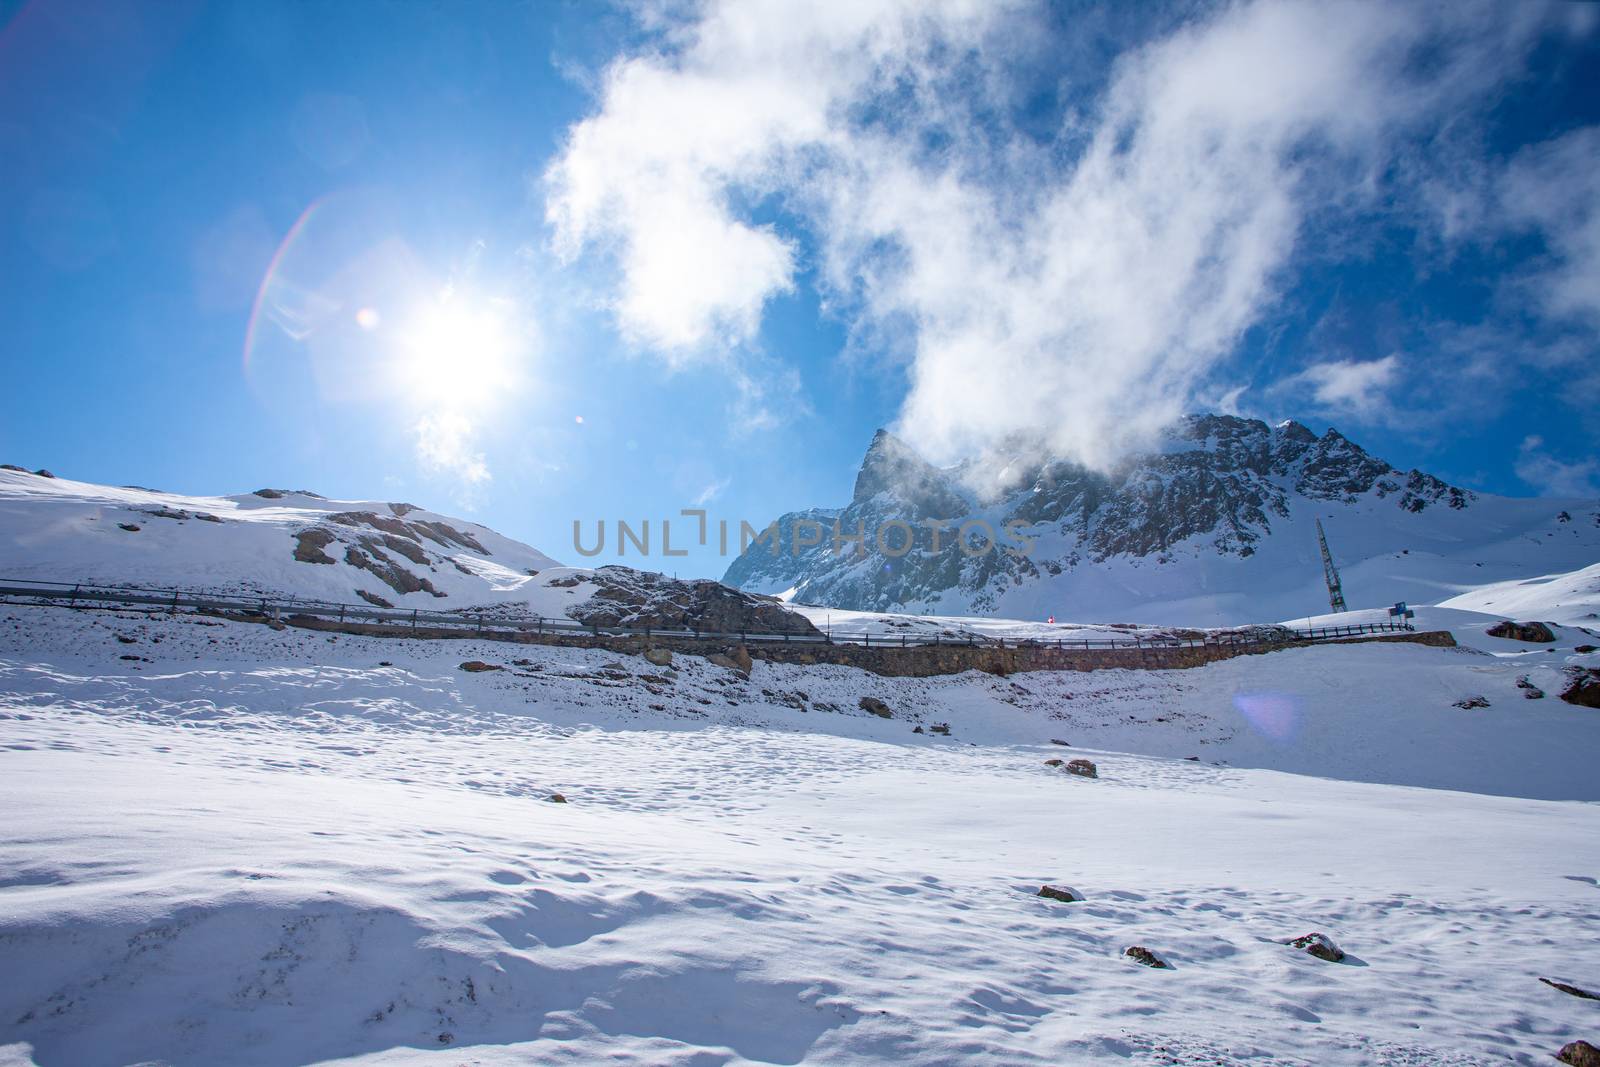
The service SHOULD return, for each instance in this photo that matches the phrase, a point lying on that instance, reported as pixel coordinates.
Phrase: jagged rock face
(1219, 480)
(626, 597)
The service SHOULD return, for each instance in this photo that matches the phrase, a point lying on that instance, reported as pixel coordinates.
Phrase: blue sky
(541, 262)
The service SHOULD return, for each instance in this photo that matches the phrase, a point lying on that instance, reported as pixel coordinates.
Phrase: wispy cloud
(710, 492)
(445, 445)
(1079, 287)
(1551, 476)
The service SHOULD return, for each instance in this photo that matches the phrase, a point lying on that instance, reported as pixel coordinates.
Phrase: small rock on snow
(1319, 945)
(1572, 989)
(1146, 957)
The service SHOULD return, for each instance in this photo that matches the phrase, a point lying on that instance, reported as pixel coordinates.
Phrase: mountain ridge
(1217, 491)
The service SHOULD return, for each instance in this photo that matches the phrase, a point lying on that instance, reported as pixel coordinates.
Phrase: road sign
(1402, 612)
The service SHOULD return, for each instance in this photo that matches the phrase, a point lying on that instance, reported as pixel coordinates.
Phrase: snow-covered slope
(1573, 597)
(298, 544)
(256, 847)
(1217, 527)
(270, 541)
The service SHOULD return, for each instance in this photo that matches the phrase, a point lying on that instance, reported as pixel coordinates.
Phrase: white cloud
(444, 443)
(1551, 476)
(1080, 289)
(1554, 188)
(1350, 386)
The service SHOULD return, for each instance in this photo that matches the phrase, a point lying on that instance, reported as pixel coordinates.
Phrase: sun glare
(458, 353)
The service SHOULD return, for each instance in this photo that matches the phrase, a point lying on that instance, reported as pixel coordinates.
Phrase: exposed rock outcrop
(627, 597)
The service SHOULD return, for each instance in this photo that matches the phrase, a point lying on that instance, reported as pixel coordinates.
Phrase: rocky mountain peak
(893, 467)
(1215, 487)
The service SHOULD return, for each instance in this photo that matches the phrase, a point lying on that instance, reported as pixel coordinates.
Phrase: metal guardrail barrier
(468, 622)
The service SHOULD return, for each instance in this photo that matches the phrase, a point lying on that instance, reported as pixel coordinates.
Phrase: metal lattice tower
(1330, 573)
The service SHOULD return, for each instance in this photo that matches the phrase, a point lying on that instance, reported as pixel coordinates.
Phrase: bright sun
(457, 352)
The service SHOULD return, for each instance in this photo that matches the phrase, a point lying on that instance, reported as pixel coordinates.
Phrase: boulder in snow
(1476, 701)
(1064, 893)
(1534, 632)
(661, 657)
(874, 706)
(477, 666)
(1083, 768)
(1529, 690)
(1584, 689)
(1579, 1054)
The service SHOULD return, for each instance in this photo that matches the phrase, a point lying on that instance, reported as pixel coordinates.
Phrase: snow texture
(252, 846)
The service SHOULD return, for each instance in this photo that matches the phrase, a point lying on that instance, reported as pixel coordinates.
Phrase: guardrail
(479, 623)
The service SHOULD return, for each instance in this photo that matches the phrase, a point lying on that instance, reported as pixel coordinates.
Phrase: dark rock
(1584, 648)
(1529, 690)
(385, 663)
(661, 657)
(1083, 768)
(309, 545)
(1053, 762)
(1146, 957)
(1064, 893)
(917, 730)
(125, 639)
(1318, 945)
(373, 598)
(1058, 741)
(1468, 703)
(206, 517)
(1571, 989)
(13, 467)
(874, 706)
(41, 472)
(130, 527)
(941, 728)
(477, 666)
(556, 798)
(1579, 1054)
(269, 494)
(1192, 759)
(1533, 632)
(1584, 688)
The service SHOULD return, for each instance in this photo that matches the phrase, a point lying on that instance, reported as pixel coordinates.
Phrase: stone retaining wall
(892, 661)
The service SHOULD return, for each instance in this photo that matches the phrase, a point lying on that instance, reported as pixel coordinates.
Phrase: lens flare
(1272, 715)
